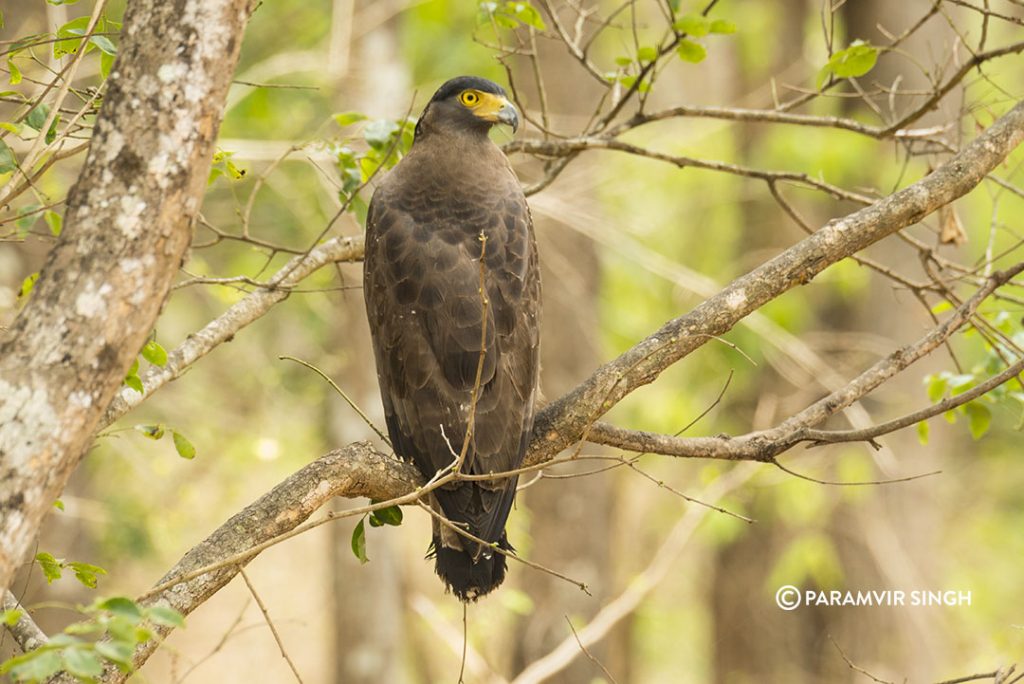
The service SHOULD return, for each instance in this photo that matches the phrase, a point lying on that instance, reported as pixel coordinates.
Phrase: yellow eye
(469, 98)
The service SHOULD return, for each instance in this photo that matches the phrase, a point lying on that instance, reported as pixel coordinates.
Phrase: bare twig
(270, 624)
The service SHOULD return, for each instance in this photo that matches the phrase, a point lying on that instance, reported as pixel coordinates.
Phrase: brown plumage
(421, 284)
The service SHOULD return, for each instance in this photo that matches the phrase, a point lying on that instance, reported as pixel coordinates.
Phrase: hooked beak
(509, 116)
(497, 109)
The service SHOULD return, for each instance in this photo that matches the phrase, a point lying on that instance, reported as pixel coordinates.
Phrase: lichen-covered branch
(25, 631)
(564, 421)
(126, 229)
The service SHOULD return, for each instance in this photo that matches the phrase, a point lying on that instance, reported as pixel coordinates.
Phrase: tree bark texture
(126, 230)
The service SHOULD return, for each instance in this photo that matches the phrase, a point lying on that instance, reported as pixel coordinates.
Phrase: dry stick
(637, 588)
(973, 678)
(270, 623)
(854, 667)
(569, 147)
(819, 437)
(465, 643)
(588, 653)
(443, 632)
(220, 644)
(474, 395)
(860, 483)
(582, 586)
(348, 400)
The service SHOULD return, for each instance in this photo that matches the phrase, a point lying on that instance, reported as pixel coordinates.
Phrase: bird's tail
(470, 579)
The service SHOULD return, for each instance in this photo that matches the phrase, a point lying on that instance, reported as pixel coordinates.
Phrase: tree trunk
(127, 227)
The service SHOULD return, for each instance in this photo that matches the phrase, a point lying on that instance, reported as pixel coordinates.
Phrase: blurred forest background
(626, 243)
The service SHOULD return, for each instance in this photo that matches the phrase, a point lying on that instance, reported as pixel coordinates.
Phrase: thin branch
(270, 624)
(587, 653)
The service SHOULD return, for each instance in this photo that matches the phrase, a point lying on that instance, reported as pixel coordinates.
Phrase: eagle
(439, 318)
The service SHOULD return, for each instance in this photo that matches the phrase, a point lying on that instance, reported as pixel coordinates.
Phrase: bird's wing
(429, 319)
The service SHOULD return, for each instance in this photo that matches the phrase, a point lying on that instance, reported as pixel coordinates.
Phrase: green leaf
(979, 418)
(936, 387)
(59, 505)
(10, 617)
(15, 78)
(118, 651)
(722, 26)
(151, 431)
(183, 446)
(86, 573)
(82, 662)
(37, 117)
(71, 34)
(944, 305)
(854, 61)
(647, 54)
(154, 353)
(27, 217)
(106, 64)
(51, 133)
(693, 24)
(359, 542)
(690, 51)
(392, 515)
(165, 617)
(526, 13)
(88, 627)
(378, 133)
(630, 81)
(36, 665)
(104, 44)
(55, 221)
(922, 432)
(50, 566)
(121, 606)
(960, 383)
(348, 118)
(27, 285)
(7, 160)
(135, 383)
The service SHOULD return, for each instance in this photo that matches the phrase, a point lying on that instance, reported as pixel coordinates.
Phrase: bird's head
(468, 104)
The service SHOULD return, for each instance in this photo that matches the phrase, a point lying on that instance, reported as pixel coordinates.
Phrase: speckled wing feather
(422, 275)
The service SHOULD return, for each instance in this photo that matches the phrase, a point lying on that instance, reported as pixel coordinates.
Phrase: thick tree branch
(356, 470)
(126, 230)
(766, 444)
(566, 420)
(25, 631)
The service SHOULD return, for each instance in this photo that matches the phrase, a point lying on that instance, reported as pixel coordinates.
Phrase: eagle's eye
(470, 98)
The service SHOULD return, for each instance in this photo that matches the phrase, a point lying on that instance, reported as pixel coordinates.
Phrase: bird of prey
(451, 199)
